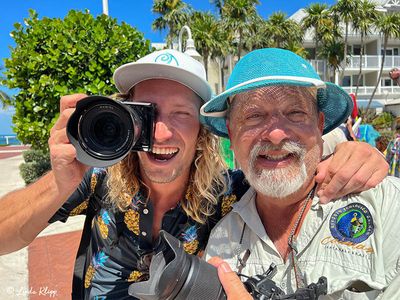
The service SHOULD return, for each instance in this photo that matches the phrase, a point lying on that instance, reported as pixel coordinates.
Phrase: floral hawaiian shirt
(115, 244)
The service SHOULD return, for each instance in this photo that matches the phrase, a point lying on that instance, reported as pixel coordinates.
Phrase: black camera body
(104, 130)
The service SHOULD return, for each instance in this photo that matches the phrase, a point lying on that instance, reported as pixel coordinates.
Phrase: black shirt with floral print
(114, 244)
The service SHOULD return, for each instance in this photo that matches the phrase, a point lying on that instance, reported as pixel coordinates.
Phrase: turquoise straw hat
(274, 67)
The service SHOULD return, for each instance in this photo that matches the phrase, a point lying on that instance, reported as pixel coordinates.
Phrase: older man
(275, 110)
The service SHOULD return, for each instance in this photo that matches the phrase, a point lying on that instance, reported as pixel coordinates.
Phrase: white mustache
(291, 147)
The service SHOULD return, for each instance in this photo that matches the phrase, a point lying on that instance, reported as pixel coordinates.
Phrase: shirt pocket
(349, 295)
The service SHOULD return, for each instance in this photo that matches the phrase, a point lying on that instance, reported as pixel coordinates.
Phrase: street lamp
(190, 48)
(105, 7)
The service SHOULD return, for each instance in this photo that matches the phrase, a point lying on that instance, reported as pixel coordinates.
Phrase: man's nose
(162, 132)
(275, 133)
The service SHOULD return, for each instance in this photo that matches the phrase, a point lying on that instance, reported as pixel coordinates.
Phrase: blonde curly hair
(206, 184)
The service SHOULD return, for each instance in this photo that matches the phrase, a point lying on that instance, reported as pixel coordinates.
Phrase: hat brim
(334, 102)
(129, 75)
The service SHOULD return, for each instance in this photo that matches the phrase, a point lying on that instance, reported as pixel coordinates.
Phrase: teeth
(276, 157)
(169, 150)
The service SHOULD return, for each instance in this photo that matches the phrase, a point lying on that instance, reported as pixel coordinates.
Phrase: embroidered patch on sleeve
(352, 223)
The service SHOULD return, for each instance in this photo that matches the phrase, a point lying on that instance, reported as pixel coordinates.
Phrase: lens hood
(174, 274)
(102, 131)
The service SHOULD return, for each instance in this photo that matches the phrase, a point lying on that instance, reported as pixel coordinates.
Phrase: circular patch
(352, 223)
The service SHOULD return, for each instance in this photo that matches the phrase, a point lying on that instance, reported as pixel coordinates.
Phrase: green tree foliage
(37, 162)
(5, 99)
(55, 57)
(173, 15)
(317, 18)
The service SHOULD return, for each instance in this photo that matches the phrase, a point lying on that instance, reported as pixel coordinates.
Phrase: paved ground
(43, 270)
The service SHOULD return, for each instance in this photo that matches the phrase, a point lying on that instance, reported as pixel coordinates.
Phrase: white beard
(281, 182)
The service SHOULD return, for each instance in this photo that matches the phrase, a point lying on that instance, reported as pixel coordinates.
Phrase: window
(346, 81)
(395, 51)
(386, 82)
(356, 50)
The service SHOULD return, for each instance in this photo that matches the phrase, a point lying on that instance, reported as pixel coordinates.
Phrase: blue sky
(134, 12)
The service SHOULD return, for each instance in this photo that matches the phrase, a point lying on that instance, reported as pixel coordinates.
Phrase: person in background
(393, 153)
(381, 144)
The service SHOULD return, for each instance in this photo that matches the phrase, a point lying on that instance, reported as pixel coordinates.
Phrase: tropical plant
(332, 51)
(283, 31)
(54, 57)
(364, 22)
(5, 99)
(260, 35)
(238, 16)
(206, 33)
(317, 18)
(389, 27)
(173, 15)
(345, 11)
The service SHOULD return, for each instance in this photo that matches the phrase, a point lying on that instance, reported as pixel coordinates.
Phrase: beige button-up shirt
(354, 242)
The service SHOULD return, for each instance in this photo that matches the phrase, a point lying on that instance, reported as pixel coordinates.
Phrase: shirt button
(144, 233)
(145, 211)
(283, 285)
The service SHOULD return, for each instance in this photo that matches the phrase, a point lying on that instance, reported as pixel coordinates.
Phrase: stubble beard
(280, 182)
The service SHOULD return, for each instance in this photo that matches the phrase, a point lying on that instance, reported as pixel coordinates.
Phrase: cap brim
(336, 104)
(127, 76)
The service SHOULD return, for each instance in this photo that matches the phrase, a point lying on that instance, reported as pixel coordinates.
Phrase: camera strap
(292, 242)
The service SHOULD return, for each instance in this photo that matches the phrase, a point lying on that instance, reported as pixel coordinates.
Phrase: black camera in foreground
(174, 274)
(104, 130)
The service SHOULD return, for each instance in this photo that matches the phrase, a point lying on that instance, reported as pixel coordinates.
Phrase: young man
(275, 110)
(178, 186)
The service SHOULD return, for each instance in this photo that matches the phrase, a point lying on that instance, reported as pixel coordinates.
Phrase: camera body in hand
(104, 130)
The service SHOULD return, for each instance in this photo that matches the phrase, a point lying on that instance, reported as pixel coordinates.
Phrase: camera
(174, 274)
(104, 130)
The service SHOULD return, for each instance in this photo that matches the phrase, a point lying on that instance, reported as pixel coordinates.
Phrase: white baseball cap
(165, 64)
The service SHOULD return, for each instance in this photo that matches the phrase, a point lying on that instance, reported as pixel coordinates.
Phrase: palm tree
(364, 23)
(389, 27)
(205, 30)
(260, 37)
(318, 19)
(238, 15)
(345, 11)
(218, 4)
(283, 31)
(173, 16)
(332, 51)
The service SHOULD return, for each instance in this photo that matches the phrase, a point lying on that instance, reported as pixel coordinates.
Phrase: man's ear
(321, 121)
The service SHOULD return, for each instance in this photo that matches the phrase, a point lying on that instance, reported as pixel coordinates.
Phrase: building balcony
(373, 61)
(382, 92)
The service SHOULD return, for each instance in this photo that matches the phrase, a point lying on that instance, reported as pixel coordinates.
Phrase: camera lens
(106, 131)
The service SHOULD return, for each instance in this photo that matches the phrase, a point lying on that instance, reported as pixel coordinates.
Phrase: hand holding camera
(67, 172)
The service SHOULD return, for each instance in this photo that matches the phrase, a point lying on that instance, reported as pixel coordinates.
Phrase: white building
(388, 93)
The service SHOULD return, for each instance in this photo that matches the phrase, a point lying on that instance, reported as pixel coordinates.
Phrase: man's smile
(163, 154)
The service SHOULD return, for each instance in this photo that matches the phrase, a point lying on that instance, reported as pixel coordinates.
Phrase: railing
(320, 67)
(367, 90)
(373, 61)
(5, 140)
